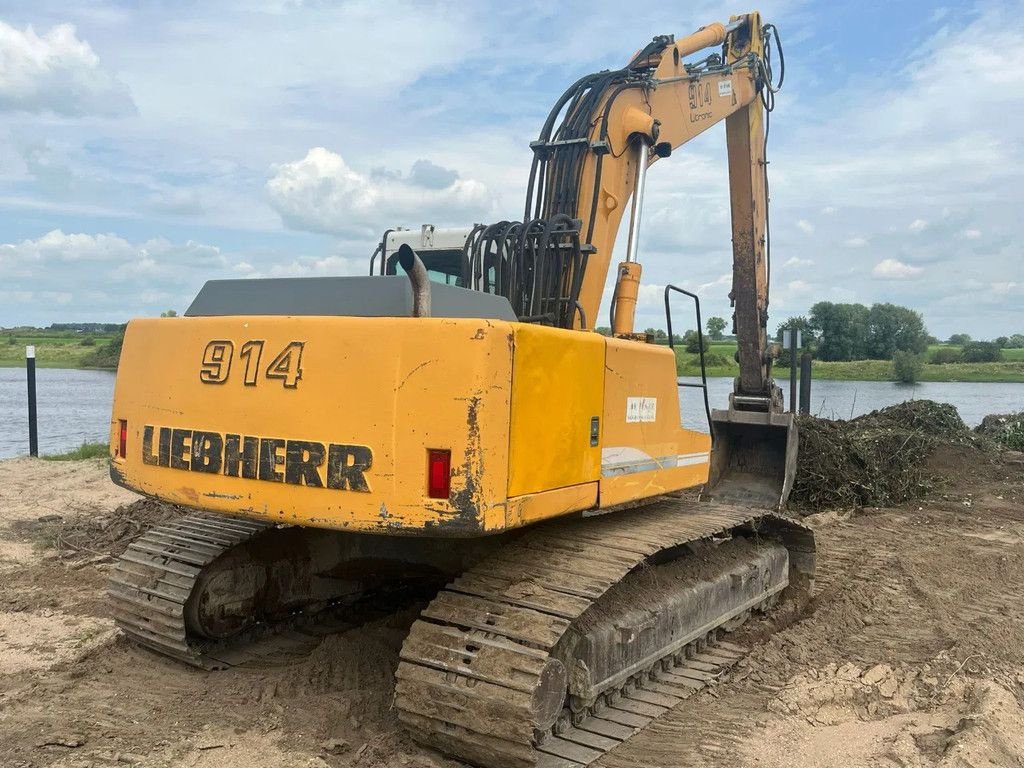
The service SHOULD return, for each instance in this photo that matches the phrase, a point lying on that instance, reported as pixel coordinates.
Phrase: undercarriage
(548, 647)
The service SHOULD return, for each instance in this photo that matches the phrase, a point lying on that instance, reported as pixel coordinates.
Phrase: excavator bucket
(753, 459)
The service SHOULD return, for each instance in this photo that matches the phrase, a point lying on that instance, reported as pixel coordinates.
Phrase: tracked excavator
(452, 419)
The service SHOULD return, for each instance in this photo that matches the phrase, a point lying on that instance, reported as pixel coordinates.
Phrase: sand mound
(839, 694)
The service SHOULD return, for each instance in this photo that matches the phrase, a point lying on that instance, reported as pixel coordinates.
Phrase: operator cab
(442, 251)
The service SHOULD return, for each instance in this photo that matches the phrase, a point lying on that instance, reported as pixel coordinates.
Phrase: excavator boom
(615, 126)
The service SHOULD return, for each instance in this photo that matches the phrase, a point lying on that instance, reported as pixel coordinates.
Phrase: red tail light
(439, 473)
(122, 445)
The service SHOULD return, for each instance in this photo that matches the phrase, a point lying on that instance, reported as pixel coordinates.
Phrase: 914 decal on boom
(217, 358)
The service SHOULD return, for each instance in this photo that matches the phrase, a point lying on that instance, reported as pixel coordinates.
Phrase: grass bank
(67, 349)
(54, 349)
(84, 451)
(1009, 371)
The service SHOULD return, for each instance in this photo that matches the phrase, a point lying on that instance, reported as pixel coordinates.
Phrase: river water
(74, 406)
(846, 399)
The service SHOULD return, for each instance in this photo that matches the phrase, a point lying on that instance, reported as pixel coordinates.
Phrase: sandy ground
(911, 654)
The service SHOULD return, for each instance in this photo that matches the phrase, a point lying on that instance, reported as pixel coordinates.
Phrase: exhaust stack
(417, 273)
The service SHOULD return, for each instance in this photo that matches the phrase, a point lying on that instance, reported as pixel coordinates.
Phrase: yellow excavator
(452, 419)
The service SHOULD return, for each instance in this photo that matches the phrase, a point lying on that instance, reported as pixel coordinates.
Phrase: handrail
(700, 348)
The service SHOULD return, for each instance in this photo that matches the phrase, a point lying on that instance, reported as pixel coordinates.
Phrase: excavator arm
(617, 124)
(593, 162)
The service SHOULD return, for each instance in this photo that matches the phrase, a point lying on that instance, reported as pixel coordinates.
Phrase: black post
(792, 369)
(33, 430)
(805, 383)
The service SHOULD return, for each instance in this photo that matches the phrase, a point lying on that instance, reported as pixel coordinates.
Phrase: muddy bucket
(753, 460)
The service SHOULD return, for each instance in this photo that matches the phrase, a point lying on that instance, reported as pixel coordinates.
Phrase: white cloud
(650, 295)
(56, 72)
(312, 267)
(893, 269)
(918, 225)
(796, 261)
(1004, 288)
(105, 276)
(322, 193)
(721, 282)
(805, 226)
(858, 164)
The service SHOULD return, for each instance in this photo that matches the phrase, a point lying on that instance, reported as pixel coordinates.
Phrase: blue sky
(147, 147)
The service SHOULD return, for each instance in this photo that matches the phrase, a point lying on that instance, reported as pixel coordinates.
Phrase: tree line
(844, 332)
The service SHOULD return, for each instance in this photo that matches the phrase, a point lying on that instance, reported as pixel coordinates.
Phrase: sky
(146, 147)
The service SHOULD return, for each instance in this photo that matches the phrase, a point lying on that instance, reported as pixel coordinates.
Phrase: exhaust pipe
(417, 273)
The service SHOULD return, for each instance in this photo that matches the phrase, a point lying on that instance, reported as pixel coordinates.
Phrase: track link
(480, 676)
(152, 581)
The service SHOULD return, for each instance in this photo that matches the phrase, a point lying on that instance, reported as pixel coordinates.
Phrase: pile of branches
(102, 535)
(1006, 429)
(878, 459)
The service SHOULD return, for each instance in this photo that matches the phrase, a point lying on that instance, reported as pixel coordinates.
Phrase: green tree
(108, 355)
(802, 324)
(169, 313)
(694, 341)
(603, 330)
(1016, 341)
(959, 339)
(1002, 342)
(945, 355)
(892, 328)
(716, 327)
(906, 366)
(981, 352)
(842, 330)
(807, 337)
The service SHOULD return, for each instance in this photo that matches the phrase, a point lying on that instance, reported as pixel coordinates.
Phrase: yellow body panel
(399, 386)
(557, 393)
(540, 422)
(534, 507)
(644, 451)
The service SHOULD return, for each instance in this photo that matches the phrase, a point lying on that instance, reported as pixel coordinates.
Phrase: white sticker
(641, 409)
(725, 87)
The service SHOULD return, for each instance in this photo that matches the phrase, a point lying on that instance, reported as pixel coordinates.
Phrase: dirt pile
(100, 535)
(991, 732)
(839, 693)
(877, 459)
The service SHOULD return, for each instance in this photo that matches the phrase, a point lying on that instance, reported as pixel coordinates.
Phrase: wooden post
(805, 383)
(33, 430)
(792, 368)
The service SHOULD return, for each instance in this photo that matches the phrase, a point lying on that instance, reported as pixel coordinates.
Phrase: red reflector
(439, 473)
(122, 446)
